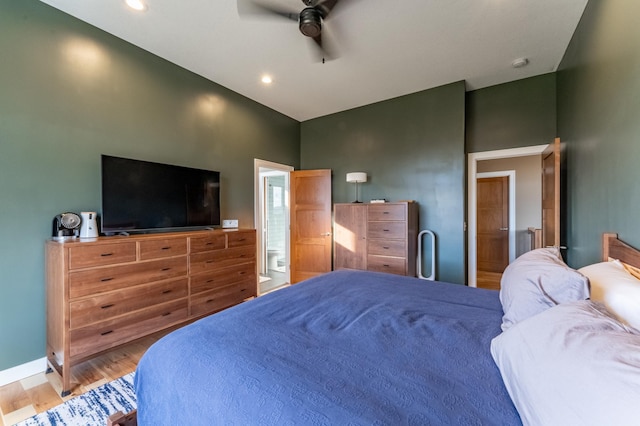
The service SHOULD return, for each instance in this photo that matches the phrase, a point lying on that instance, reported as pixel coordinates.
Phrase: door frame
(511, 174)
(260, 167)
(472, 168)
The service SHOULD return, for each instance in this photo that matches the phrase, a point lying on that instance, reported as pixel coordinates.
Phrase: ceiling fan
(310, 19)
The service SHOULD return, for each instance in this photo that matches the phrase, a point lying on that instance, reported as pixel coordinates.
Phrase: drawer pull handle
(106, 254)
(209, 261)
(243, 255)
(385, 212)
(209, 301)
(166, 269)
(241, 273)
(209, 243)
(386, 248)
(166, 248)
(385, 230)
(166, 314)
(104, 280)
(210, 281)
(106, 332)
(166, 292)
(385, 265)
(241, 239)
(107, 306)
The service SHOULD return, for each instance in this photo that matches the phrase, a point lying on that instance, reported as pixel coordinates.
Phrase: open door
(310, 223)
(551, 195)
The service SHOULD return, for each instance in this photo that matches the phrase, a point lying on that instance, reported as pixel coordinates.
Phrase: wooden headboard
(613, 248)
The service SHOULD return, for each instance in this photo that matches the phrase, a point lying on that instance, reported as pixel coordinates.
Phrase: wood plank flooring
(35, 394)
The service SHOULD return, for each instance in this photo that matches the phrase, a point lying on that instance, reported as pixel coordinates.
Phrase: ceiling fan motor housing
(310, 22)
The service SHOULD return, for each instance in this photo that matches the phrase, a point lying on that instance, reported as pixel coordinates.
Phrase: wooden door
(551, 195)
(310, 223)
(350, 236)
(493, 224)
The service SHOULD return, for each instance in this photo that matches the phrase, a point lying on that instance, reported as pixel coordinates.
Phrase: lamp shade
(356, 177)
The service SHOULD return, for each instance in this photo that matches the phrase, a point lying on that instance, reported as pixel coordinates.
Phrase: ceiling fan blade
(251, 7)
(325, 7)
(332, 6)
(324, 50)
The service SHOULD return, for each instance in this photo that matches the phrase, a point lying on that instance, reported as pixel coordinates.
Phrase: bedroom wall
(70, 92)
(511, 115)
(412, 148)
(598, 119)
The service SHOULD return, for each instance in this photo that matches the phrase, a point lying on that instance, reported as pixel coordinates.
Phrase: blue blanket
(345, 348)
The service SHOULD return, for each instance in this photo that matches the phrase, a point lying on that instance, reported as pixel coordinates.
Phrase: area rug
(90, 408)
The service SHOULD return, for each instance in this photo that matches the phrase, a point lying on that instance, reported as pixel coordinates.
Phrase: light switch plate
(230, 223)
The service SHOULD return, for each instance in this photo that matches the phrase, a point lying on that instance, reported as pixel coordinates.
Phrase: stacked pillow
(617, 289)
(537, 281)
(574, 364)
(565, 360)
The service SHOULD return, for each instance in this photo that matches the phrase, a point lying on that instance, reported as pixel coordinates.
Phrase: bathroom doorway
(272, 224)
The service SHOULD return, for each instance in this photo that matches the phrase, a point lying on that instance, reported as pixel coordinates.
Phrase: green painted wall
(512, 115)
(411, 147)
(69, 92)
(598, 118)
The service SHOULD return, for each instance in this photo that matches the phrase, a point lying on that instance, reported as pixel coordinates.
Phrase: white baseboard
(23, 371)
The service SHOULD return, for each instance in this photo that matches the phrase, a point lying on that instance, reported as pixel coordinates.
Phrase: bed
(356, 347)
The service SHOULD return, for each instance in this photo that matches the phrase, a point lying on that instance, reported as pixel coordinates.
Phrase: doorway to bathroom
(272, 224)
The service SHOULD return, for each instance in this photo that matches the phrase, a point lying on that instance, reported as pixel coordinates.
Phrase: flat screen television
(142, 196)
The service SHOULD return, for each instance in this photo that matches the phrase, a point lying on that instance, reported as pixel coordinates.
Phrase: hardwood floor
(35, 394)
(488, 280)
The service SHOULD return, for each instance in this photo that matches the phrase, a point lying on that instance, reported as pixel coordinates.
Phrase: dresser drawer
(392, 265)
(241, 238)
(90, 310)
(99, 280)
(383, 211)
(97, 337)
(222, 277)
(84, 256)
(207, 243)
(166, 247)
(397, 248)
(216, 300)
(397, 230)
(202, 262)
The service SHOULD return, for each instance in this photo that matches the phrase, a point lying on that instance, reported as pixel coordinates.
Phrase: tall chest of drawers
(376, 237)
(112, 290)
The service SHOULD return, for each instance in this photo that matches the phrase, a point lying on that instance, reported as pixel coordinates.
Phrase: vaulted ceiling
(382, 49)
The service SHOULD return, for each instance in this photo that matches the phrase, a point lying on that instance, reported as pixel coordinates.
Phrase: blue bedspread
(346, 348)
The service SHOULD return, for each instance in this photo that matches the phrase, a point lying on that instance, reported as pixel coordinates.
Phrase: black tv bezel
(126, 231)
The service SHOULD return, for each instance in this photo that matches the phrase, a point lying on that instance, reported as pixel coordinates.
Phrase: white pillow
(536, 281)
(614, 286)
(573, 364)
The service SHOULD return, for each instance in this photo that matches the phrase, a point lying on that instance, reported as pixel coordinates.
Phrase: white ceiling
(385, 48)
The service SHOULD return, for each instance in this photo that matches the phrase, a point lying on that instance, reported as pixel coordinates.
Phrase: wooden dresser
(112, 290)
(376, 237)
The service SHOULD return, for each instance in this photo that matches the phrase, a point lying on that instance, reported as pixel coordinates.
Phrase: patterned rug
(91, 408)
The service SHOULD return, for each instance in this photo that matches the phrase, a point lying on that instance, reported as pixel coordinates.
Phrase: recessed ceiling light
(136, 4)
(266, 79)
(520, 62)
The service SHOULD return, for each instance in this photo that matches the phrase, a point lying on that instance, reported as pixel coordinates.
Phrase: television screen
(141, 196)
